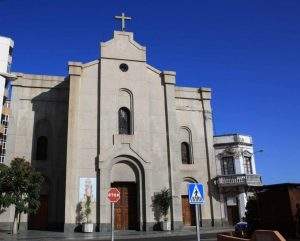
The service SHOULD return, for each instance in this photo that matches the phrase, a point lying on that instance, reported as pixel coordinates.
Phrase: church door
(126, 217)
(40, 219)
(188, 212)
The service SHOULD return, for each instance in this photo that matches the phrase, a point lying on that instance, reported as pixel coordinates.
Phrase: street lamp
(259, 151)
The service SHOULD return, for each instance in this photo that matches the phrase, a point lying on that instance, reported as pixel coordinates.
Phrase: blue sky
(247, 51)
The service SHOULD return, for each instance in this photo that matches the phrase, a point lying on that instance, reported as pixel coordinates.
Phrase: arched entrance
(188, 210)
(126, 175)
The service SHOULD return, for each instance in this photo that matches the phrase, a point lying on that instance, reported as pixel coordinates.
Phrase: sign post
(112, 221)
(113, 196)
(196, 197)
(197, 222)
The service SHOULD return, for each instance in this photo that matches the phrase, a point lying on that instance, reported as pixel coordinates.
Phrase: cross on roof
(123, 18)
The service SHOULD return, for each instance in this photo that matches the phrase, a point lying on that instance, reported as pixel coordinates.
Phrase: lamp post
(259, 151)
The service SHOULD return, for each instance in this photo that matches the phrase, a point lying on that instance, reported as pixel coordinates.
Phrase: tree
(87, 209)
(162, 202)
(252, 214)
(23, 187)
(4, 188)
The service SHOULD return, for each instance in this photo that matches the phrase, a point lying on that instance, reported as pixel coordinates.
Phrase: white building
(236, 173)
(119, 122)
(113, 122)
(6, 49)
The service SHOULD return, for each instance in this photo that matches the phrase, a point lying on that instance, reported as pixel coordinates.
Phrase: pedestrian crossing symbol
(196, 193)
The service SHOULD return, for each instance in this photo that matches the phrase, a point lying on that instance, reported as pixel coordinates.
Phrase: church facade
(114, 122)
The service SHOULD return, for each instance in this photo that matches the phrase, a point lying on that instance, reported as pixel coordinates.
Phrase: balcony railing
(238, 180)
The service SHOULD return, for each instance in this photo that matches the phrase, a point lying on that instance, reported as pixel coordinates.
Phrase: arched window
(124, 121)
(185, 153)
(41, 148)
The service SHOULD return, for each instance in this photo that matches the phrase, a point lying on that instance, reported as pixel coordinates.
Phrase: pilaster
(205, 96)
(169, 81)
(75, 70)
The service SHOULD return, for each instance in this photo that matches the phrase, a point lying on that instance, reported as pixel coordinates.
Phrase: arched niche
(185, 139)
(122, 172)
(128, 173)
(125, 100)
(42, 131)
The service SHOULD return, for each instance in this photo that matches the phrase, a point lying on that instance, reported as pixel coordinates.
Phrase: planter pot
(87, 227)
(165, 225)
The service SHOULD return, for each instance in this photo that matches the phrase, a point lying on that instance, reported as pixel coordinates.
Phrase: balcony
(235, 180)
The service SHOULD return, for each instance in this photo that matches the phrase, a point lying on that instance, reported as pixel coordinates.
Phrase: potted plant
(87, 227)
(161, 203)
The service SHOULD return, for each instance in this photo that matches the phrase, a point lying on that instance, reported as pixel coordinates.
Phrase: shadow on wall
(157, 215)
(214, 190)
(49, 147)
(79, 217)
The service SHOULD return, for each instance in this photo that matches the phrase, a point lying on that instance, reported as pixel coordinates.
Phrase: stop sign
(113, 195)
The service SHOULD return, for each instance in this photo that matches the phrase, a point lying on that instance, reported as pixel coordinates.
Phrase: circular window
(123, 67)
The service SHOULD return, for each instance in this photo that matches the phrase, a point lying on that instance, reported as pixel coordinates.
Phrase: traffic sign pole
(113, 196)
(196, 197)
(112, 221)
(197, 221)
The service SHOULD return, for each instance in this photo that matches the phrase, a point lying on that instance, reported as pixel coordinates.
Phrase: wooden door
(188, 212)
(126, 217)
(233, 214)
(40, 219)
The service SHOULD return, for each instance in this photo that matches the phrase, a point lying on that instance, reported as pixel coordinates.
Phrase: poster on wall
(87, 187)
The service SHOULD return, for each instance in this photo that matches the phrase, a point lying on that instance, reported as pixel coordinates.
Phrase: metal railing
(238, 180)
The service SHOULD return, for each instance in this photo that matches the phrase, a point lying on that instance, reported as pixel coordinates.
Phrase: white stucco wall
(5, 61)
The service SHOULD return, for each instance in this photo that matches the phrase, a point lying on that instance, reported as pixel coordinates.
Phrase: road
(57, 236)
(180, 238)
(204, 237)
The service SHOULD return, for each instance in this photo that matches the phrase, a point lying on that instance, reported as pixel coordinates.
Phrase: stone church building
(114, 122)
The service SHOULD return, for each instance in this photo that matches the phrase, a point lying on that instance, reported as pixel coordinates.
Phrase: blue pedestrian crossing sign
(196, 193)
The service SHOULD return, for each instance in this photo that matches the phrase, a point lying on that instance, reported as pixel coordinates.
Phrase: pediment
(123, 46)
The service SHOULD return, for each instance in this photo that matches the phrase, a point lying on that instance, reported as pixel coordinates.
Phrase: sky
(247, 51)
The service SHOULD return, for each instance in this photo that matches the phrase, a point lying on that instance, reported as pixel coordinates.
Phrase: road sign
(113, 195)
(196, 193)
(196, 196)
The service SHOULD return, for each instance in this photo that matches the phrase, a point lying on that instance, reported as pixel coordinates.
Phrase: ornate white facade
(236, 172)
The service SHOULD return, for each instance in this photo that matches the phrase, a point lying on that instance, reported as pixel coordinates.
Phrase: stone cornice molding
(168, 77)
(75, 68)
(221, 145)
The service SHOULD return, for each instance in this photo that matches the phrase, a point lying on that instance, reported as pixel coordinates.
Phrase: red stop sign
(113, 195)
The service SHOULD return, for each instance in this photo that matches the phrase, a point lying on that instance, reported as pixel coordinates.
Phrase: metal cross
(123, 18)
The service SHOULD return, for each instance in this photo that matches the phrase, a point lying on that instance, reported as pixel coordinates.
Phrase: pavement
(178, 235)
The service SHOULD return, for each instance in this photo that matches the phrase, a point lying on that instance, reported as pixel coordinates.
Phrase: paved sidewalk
(32, 235)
